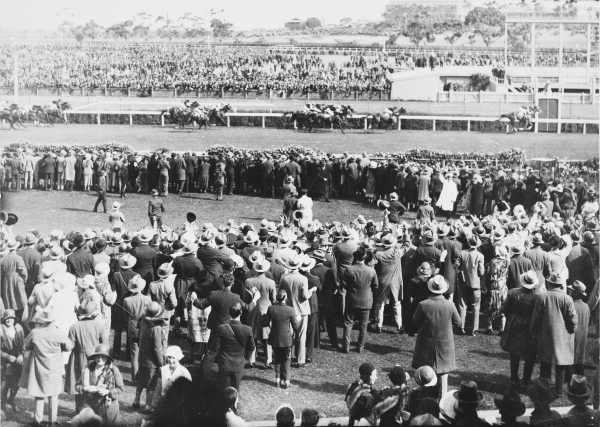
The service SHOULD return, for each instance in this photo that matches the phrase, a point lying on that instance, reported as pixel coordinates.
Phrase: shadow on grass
(264, 381)
(326, 387)
(492, 383)
(78, 210)
(493, 354)
(381, 348)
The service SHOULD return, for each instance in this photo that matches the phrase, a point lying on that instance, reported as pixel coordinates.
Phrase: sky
(244, 14)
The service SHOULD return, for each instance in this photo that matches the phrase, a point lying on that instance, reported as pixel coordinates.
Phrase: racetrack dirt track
(140, 138)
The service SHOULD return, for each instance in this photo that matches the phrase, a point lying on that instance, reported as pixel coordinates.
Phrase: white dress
(448, 195)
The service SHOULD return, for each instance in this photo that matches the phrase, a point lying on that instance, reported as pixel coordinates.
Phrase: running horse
(520, 120)
(387, 119)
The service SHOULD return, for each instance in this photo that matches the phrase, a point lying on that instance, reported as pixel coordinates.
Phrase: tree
(453, 36)
(418, 31)
(313, 22)
(486, 21)
(140, 31)
(121, 30)
(220, 28)
(92, 30)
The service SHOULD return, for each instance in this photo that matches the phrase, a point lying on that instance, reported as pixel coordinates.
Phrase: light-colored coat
(43, 365)
(434, 318)
(553, 323)
(296, 287)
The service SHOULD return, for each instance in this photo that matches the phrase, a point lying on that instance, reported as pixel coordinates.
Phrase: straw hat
(136, 284)
(146, 235)
(86, 282)
(388, 241)
(87, 310)
(557, 278)
(165, 270)
(261, 266)
(154, 311)
(529, 279)
(42, 317)
(238, 261)
(9, 313)
(437, 285)
(291, 262)
(127, 261)
(425, 376)
(307, 263)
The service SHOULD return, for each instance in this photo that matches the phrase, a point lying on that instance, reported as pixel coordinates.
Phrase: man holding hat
(433, 319)
(553, 323)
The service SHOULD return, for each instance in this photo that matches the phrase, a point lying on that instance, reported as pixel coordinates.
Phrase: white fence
(365, 119)
(516, 98)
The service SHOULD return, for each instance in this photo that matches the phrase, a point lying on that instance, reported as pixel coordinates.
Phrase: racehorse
(193, 112)
(14, 115)
(319, 115)
(386, 119)
(520, 120)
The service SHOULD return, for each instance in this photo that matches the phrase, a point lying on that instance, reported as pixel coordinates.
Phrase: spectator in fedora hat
(433, 319)
(541, 394)
(553, 323)
(163, 292)
(579, 295)
(12, 280)
(135, 305)
(471, 270)
(517, 338)
(12, 339)
(81, 261)
(32, 257)
(510, 407)
(468, 398)
(580, 414)
(151, 353)
(119, 281)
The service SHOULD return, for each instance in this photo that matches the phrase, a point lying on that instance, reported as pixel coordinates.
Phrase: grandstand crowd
(491, 236)
(188, 67)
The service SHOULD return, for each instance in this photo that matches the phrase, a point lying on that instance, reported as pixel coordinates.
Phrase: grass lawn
(320, 385)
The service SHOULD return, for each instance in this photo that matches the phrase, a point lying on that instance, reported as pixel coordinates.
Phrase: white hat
(175, 352)
(437, 285)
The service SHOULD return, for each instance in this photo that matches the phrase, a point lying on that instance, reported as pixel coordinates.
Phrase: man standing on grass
(156, 208)
(101, 191)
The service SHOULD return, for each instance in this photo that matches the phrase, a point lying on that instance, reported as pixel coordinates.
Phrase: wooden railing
(469, 120)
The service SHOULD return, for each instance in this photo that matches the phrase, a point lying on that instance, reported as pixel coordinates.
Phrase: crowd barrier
(516, 98)
(405, 122)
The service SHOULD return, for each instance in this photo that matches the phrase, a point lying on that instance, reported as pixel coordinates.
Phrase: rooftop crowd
(230, 69)
(523, 259)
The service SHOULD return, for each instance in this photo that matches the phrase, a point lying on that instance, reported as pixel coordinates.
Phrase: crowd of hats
(508, 157)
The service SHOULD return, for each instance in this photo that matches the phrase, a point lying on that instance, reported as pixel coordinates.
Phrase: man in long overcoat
(13, 275)
(539, 260)
(553, 323)
(433, 320)
(579, 263)
(80, 262)
(389, 275)
(33, 261)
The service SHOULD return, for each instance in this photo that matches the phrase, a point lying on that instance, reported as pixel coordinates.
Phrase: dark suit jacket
(282, 319)
(220, 303)
(579, 263)
(313, 282)
(145, 261)
(428, 253)
(359, 281)
(344, 254)
(518, 265)
(232, 343)
(212, 259)
(80, 262)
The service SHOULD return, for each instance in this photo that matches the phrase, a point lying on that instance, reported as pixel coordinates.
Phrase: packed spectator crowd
(525, 255)
(189, 67)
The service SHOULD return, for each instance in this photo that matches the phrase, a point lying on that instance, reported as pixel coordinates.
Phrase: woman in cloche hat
(11, 344)
(101, 384)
